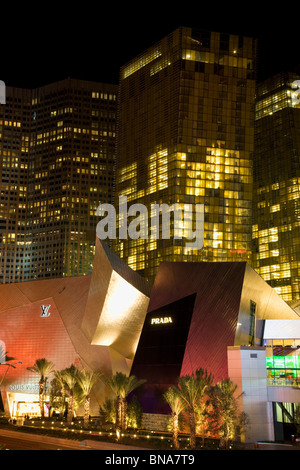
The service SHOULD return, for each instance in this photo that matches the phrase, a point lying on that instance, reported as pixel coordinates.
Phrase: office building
(276, 235)
(186, 136)
(57, 151)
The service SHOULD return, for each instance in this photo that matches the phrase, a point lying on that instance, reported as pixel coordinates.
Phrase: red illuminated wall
(29, 336)
(218, 288)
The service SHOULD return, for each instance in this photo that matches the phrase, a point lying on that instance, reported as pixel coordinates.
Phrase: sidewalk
(99, 445)
(274, 446)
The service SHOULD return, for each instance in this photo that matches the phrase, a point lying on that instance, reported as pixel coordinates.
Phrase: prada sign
(161, 320)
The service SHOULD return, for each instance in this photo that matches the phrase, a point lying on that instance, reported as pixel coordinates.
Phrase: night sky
(52, 41)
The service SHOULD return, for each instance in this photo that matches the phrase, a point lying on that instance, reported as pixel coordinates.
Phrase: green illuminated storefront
(283, 371)
(282, 343)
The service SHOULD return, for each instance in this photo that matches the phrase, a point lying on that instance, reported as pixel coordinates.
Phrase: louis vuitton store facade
(93, 322)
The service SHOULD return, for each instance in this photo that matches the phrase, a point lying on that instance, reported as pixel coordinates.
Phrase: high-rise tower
(186, 135)
(57, 149)
(276, 209)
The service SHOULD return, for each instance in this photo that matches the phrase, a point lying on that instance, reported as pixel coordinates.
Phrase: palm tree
(3, 356)
(43, 367)
(130, 384)
(188, 393)
(226, 408)
(172, 398)
(4, 361)
(70, 376)
(59, 378)
(115, 383)
(86, 380)
(108, 411)
(205, 381)
(121, 385)
(191, 391)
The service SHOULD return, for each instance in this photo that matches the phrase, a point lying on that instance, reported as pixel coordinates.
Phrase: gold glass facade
(186, 135)
(14, 142)
(57, 148)
(276, 211)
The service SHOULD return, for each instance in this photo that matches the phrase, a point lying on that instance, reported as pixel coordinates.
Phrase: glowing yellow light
(119, 312)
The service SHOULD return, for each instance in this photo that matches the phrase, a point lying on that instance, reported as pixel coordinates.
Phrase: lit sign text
(162, 320)
(24, 387)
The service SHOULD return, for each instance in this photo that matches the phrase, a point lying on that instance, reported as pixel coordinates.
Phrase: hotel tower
(57, 156)
(186, 136)
(276, 211)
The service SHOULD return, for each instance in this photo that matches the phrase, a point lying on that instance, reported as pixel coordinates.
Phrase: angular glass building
(276, 236)
(221, 317)
(91, 321)
(186, 136)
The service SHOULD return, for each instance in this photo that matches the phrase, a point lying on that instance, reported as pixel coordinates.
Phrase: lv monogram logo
(45, 310)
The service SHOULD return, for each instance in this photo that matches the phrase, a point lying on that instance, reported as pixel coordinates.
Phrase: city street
(15, 443)
(15, 440)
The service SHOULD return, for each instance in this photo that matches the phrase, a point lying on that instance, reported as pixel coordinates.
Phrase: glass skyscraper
(276, 210)
(57, 148)
(186, 136)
